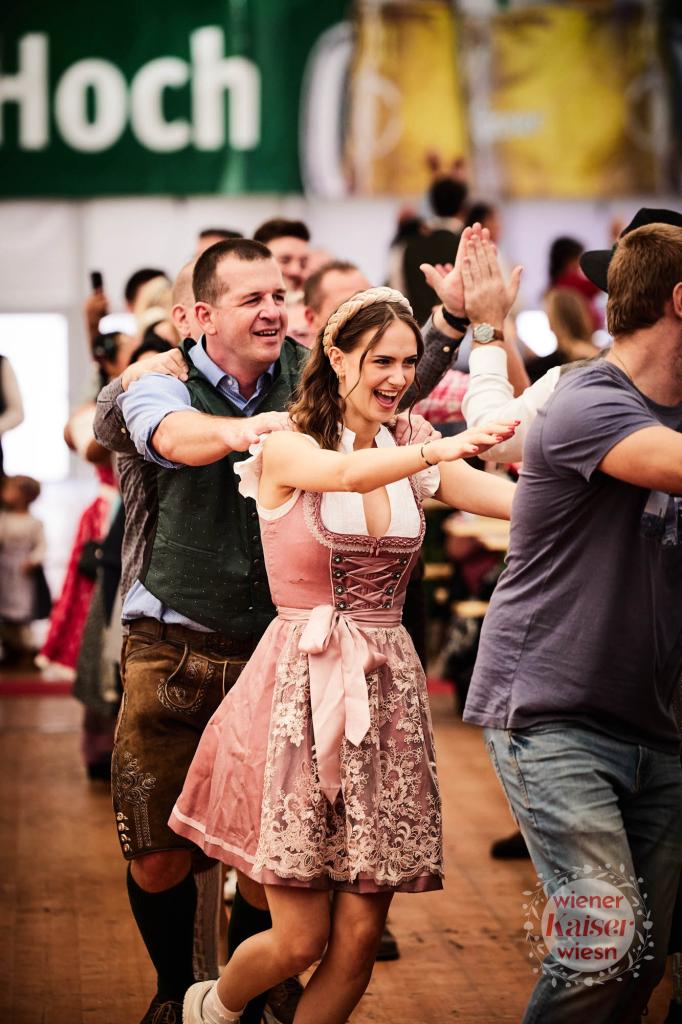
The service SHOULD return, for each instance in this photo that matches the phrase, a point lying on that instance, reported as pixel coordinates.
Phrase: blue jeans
(581, 797)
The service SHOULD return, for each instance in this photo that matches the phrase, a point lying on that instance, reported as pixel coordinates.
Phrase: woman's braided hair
(318, 409)
(353, 305)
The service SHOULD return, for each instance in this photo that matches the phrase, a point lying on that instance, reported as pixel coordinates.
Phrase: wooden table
(493, 534)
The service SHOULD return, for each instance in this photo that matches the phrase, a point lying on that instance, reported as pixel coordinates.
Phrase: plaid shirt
(444, 403)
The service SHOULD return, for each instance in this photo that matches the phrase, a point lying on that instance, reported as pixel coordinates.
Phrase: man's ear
(677, 300)
(204, 314)
(180, 320)
(310, 318)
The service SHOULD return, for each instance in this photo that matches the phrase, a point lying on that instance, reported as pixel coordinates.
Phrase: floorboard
(70, 949)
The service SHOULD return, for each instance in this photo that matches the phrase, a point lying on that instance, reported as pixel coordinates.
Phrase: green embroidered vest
(206, 559)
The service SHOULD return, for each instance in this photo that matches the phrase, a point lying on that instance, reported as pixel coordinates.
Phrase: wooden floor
(71, 954)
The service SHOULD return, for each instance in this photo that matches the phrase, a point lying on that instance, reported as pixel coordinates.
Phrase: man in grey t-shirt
(581, 649)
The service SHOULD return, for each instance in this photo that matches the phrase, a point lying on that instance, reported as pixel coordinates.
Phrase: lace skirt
(252, 796)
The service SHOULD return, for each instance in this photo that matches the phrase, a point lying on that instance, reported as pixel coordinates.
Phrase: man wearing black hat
(581, 650)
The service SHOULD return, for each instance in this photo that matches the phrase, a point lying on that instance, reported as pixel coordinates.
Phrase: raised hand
(446, 278)
(487, 297)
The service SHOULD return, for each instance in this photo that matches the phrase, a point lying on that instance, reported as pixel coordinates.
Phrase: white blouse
(343, 511)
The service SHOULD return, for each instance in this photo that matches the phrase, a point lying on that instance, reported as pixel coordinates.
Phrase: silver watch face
(483, 333)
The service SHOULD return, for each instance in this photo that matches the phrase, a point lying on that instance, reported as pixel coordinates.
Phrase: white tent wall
(48, 247)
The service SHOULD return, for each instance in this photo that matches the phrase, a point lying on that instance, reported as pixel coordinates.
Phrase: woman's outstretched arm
(472, 490)
(290, 461)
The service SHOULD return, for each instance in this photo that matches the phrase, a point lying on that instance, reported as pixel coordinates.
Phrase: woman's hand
(469, 442)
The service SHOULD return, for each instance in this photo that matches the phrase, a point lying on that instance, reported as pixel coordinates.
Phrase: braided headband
(350, 307)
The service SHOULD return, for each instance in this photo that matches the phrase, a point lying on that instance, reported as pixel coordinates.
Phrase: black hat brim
(595, 266)
(595, 263)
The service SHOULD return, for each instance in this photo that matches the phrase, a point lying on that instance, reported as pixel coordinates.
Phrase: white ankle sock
(213, 1011)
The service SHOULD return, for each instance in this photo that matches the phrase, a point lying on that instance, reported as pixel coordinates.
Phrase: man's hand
(414, 429)
(487, 298)
(172, 364)
(446, 279)
(95, 307)
(239, 435)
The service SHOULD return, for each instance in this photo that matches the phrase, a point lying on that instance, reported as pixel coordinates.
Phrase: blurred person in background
(288, 241)
(299, 329)
(97, 684)
(487, 215)
(209, 236)
(97, 304)
(22, 550)
(564, 272)
(409, 225)
(152, 310)
(435, 244)
(318, 258)
(11, 406)
(569, 319)
(59, 653)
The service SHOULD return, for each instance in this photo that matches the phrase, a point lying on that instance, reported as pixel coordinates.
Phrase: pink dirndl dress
(318, 768)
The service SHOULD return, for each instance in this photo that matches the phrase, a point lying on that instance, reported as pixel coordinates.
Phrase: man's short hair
(182, 285)
(278, 227)
(645, 267)
(136, 280)
(205, 284)
(313, 288)
(220, 233)
(447, 196)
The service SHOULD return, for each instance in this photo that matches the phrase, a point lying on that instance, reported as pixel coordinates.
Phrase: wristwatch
(485, 333)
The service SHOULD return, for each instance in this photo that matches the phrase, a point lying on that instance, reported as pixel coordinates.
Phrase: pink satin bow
(339, 659)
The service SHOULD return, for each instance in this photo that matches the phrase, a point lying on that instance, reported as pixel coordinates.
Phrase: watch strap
(458, 323)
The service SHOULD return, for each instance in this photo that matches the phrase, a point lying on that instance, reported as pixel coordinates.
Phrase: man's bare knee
(252, 892)
(156, 872)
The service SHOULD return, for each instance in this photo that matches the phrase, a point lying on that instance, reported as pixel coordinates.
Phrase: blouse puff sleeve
(249, 470)
(427, 482)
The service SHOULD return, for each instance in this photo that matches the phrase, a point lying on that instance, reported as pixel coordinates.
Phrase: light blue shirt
(146, 402)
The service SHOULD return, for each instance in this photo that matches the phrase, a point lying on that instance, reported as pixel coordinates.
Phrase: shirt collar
(214, 374)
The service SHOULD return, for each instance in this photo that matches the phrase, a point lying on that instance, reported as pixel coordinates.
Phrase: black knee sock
(166, 923)
(245, 921)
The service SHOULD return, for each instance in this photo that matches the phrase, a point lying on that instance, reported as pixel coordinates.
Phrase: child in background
(22, 549)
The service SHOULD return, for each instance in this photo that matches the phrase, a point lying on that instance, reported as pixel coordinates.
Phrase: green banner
(159, 98)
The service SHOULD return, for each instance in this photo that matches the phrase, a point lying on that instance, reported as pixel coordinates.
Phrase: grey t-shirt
(586, 621)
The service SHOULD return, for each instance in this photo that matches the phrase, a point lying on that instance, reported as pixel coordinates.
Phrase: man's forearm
(109, 425)
(441, 344)
(192, 438)
(490, 397)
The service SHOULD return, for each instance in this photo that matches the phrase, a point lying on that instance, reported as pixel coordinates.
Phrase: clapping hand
(487, 297)
(446, 278)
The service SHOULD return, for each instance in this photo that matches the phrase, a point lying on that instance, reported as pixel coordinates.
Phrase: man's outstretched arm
(167, 430)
